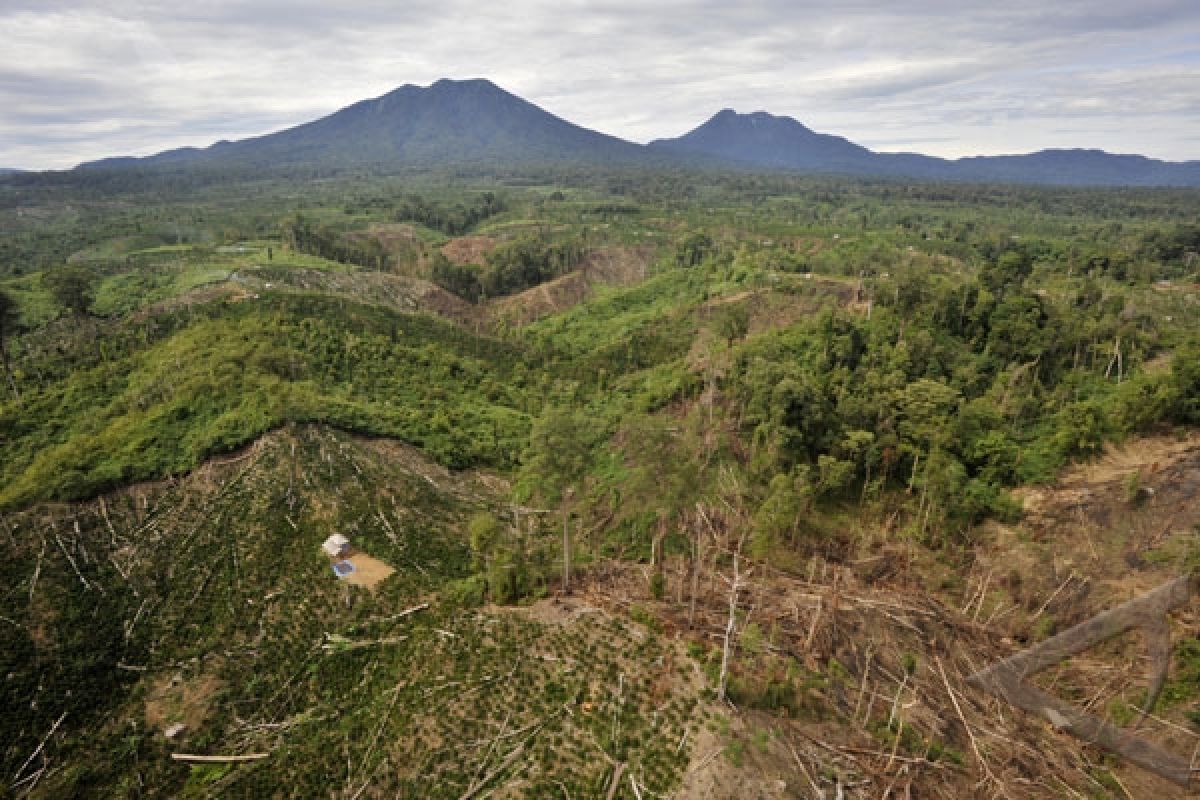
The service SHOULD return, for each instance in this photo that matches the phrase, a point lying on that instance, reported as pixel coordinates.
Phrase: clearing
(368, 572)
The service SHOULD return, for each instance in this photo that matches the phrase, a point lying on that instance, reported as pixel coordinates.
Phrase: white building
(336, 546)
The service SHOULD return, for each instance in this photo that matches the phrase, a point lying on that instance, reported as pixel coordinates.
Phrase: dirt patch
(194, 297)
(708, 774)
(760, 756)
(173, 699)
(610, 265)
(549, 298)
(399, 292)
(1126, 519)
(469, 249)
(447, 304)
(879, 705)
(618, 265)
(1150, 454)
(368, 572)
(556, 610)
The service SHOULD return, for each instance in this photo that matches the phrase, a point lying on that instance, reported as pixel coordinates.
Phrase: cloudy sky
(83, 80)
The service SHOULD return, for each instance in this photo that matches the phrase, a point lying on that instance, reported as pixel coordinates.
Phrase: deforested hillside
(657, 484)
(201, 615)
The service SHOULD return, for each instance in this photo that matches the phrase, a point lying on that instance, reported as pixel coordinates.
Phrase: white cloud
(86, 80)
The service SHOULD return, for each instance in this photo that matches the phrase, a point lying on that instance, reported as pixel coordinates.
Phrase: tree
(558, 460)
(1009, 271)
(732, 322)
(1185, 378)
(8, 326)
(693, 249)
(779, 517)
(802, 411)
(1018, 329)
(459, 280)
(484, 532)
(663, 473)
(72, 288)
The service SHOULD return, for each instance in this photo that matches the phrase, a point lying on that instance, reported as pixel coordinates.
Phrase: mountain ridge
(474, 121)
(761, 139)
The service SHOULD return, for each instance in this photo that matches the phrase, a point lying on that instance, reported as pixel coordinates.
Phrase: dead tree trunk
(566, 520)
(566, 553)
(695, 578)
(735, 585)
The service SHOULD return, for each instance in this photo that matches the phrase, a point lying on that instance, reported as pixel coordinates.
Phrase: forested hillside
(693, 484)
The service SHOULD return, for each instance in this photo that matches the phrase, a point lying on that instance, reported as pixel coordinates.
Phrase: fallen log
(217, 759)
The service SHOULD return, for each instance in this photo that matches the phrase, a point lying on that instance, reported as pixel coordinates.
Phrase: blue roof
(343, 568)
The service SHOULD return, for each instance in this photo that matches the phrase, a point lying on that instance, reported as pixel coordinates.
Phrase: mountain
(1079, 167)
(762, 140)
(449, 122)
(476, 123)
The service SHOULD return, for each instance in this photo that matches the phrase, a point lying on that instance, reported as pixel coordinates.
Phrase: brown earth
(618, 266)
(1126, 521)
(229, 292)
(469, 249)
(368, 572)
(174, 699)
(398, 292)
(548, 298)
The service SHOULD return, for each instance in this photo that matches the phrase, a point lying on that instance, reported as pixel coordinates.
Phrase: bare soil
(172, 699)
(549, 298)
(1125, 521)
(616, 266)
(368, 573)
(399, 292)
(469, 249)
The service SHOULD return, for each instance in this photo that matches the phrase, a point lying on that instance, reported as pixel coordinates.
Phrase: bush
(658, 585)
(465, 593)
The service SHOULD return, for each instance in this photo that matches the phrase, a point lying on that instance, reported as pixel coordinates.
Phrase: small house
(336, 546)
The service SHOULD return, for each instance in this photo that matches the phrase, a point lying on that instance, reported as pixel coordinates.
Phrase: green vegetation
(201, 383)
(158, 397)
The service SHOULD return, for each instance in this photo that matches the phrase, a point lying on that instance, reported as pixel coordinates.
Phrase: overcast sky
(80, 81)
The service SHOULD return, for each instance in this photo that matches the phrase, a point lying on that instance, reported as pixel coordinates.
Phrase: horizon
(80, 83)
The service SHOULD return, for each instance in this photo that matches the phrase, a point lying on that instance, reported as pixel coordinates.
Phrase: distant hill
(476, 123)
(449, 122)
(765, 140)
